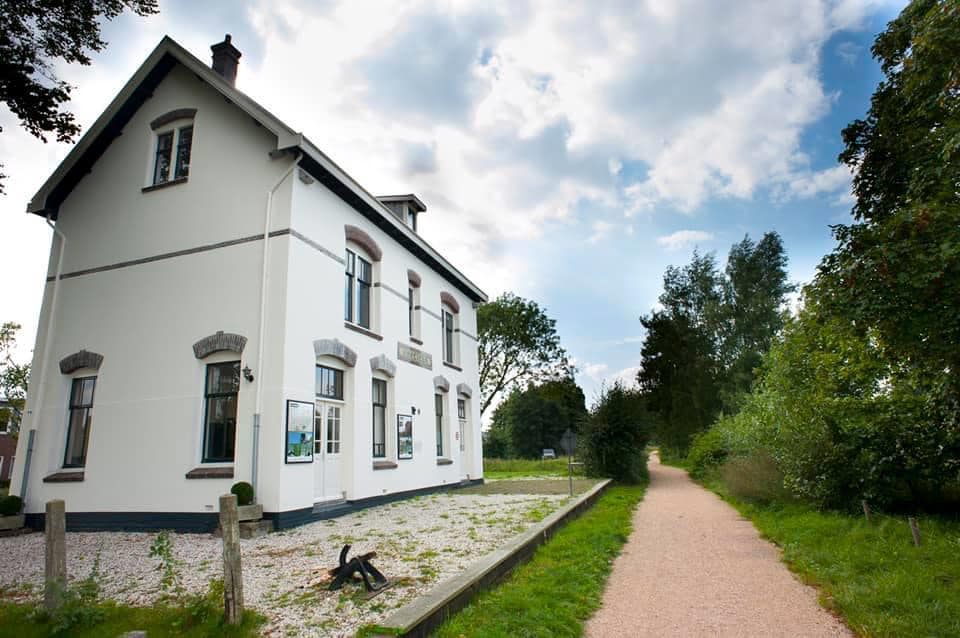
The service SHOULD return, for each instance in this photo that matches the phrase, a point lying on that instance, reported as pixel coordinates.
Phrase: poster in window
(404, 436)
(299, 448)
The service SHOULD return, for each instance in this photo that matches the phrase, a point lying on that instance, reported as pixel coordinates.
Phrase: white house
(224, 303)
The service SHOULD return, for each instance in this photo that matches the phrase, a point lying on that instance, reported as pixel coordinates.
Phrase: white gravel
(419, 542)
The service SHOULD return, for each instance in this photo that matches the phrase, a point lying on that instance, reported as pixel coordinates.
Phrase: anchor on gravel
(373, 580)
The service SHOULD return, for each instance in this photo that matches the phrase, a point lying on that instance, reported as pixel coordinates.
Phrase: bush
(244, 492)
(754, 477)
(708, 451)
(615, 436)
(10, 505)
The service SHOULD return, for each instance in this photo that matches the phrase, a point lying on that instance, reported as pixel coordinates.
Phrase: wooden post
(232, 573)
(915, 530)
(866, 509)
(55, 560)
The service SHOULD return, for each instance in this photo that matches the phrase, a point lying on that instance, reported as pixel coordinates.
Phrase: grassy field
(561, 587)
(869, 573)
(514, 468)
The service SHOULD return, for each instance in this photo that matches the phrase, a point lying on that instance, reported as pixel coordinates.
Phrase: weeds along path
(694, 567)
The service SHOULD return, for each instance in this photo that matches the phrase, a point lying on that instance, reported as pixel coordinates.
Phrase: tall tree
(703, 346)
(34, 36)
(897, 268)
(518, 345)
(13, 376)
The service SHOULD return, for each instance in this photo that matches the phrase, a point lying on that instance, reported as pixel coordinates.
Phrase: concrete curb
(419, 618)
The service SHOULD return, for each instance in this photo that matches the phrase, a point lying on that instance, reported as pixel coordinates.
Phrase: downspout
(263, 319)
(47, 338)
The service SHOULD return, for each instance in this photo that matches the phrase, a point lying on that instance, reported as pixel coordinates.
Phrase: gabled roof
(140, 87)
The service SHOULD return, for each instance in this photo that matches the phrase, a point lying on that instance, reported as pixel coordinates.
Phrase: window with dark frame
(438, 403)
(220, 412)
(359, 278)
(78, 425)
(161, 166)
(461, 409)
(379, 418)
(448, 350)
(329, 383)
(410, 309)
(184, 144)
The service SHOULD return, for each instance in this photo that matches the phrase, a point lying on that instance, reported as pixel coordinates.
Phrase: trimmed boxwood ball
(10, 505)
(244, 492)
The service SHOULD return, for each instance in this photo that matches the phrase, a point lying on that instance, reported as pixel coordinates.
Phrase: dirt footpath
(694, 567)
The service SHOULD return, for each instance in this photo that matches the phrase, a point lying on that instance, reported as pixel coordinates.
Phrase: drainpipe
(263, 319)
(47, 338)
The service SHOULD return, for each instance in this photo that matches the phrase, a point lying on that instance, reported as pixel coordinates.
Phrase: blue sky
(567, 152)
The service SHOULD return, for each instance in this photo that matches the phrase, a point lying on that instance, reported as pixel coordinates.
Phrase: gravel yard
(419, 542)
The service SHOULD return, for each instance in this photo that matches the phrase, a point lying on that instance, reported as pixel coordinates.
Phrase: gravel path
(694, 567)
(419, 542)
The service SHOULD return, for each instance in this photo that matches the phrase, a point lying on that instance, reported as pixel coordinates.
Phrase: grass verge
(109, 620)
(514, 468)
(562, 585)
(869, 573)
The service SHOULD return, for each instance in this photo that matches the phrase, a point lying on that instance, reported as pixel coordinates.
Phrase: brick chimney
(226, 57)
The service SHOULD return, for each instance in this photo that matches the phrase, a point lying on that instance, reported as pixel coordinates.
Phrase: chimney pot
(226, 58)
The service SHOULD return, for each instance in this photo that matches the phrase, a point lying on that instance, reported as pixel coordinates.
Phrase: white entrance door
(326, 451)
(462, 418)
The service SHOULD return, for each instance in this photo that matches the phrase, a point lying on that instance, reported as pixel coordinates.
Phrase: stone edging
(422, 616)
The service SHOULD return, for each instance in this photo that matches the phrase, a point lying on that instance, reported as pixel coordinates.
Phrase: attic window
(172, 159)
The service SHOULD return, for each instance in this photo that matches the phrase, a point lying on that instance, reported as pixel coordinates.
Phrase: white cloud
(504, 117)
(683, 238)
(600, 229)
(810, 184)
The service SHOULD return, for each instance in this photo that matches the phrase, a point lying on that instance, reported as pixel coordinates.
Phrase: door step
(255, 529)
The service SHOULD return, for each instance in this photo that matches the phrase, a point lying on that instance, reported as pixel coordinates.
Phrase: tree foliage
(518, 345)
(535, 418)
(34, 36)
(613, 439)
(13, 376)
(861, 400)
(702, 347)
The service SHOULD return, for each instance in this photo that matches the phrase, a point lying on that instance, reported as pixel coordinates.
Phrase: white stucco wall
(143, 318)
(147, 417)
(315, 311)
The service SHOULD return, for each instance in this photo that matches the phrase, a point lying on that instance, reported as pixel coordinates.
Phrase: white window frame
(175, 129)
(451, 350)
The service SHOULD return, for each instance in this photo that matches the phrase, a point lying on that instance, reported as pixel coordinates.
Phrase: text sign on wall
(414, 356)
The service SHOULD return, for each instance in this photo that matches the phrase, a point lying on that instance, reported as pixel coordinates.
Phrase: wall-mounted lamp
(414, 411)
(247, 373)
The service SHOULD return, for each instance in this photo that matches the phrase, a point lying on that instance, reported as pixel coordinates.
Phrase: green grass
(870, 573)
(16, 621)
(513, 468)
(561, 587)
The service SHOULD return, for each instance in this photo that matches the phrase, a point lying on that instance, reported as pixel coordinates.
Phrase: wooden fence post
(232, 572)
(915, 530)
(55, 559)
(866, 509)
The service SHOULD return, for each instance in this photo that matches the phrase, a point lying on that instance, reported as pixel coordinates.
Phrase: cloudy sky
(567, 152)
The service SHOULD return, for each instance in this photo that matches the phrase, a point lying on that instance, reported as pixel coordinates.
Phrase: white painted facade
(148, 273)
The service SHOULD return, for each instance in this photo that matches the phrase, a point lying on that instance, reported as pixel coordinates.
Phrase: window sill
(453, 366)
(416, 341)
(384, 465)
(361, 330)
(210, 473)
(444, 461)
(172, 182)
(64, 477)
